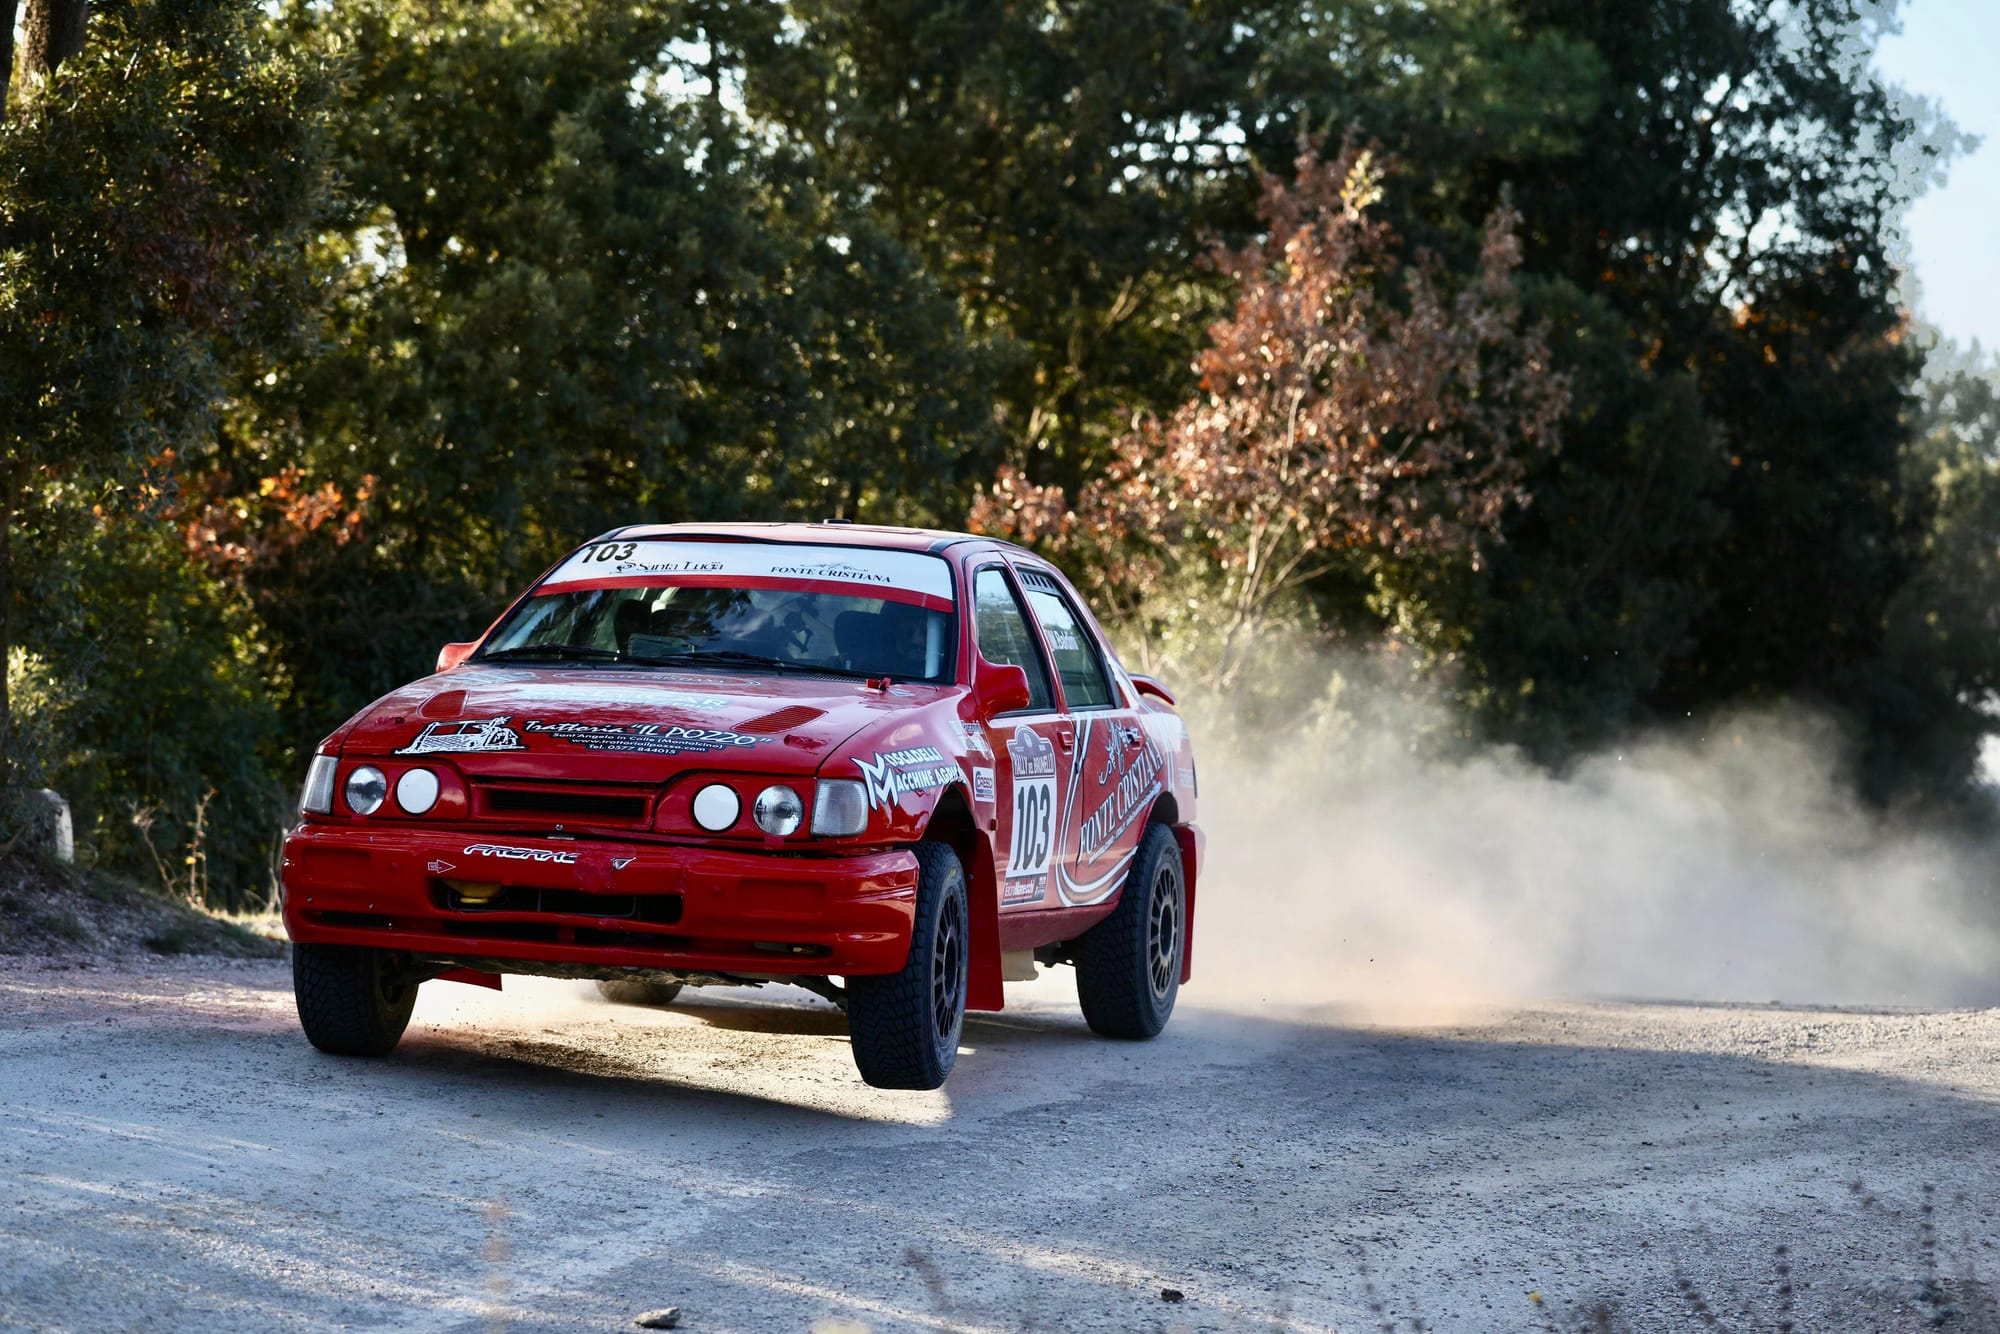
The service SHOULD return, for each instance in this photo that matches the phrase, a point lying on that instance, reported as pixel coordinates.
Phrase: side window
(1083, 680)
(1004, 636)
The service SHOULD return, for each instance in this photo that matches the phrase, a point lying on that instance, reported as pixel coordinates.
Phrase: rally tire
(353, 1000)
(626, 991)
(1128, 966)
(904, 1027)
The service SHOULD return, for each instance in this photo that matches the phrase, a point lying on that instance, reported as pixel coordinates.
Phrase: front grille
(653, 909)
(552, 933)
(598, 805)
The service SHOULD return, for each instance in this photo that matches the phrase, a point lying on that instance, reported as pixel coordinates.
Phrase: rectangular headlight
(840, 808)
(317, 799)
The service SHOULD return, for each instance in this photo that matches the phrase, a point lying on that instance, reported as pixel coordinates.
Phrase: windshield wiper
(523, 652)
(730, 657)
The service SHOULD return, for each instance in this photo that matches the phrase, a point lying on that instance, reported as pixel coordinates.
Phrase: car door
(1030, 747)
(1115, 769)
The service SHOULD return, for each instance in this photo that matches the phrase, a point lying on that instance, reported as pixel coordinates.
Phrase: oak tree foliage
(1567, 370)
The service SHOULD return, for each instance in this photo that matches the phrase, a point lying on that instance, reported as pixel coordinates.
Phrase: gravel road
(174, 1156)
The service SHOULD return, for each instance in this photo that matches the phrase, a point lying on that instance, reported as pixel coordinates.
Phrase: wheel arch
(953, 823)
(1167, 811)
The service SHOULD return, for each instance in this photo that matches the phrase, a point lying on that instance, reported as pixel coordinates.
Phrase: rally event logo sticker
(467, 737)
(1033, 839)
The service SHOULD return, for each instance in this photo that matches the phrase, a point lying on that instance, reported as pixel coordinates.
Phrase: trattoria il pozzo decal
(475, 736)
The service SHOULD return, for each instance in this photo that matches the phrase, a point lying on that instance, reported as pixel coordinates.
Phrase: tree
(155, 190)
(1351, 405)
(8, 9)
(1063, 168)
(1727, 520)
(55, 31)
(1927, 693)
(572, 288)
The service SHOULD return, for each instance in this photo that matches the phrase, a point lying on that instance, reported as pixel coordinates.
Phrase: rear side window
(1004, 636)
(1083, 681)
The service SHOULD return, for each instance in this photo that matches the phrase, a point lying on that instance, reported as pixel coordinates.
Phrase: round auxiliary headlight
(716, 807)
(778, 810)
(365, 789)
(417, 791)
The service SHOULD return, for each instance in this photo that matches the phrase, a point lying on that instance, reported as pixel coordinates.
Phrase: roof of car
(825, 534)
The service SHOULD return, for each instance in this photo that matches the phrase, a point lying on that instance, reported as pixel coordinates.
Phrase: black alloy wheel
(1128, 966)
(353, 1000)
(904, 1027)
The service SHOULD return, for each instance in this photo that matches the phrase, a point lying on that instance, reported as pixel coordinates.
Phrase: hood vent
(780, 720)
(446, 705)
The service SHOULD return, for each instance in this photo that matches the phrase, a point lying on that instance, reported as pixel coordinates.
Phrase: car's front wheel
(353, 1000)
(1128, 966)
(625, 991)
(904, 1027)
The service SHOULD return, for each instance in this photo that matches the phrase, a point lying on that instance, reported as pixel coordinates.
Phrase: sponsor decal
(505, 853)
(1031, 843)
(894, 772)
(712, 682)
(832, 569)
(467, 737)
(1031, 890)
(1098, 817)
(674, 699)
(1130, 797)
(620, 863)
(645, 738)
(1118, 750)
(666, 560)
(976, 742)
(982, 784)
(439, 866)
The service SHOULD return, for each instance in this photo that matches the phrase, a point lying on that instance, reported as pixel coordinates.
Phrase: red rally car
(746, 753)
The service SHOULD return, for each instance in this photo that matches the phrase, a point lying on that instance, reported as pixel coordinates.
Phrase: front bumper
(615, 905)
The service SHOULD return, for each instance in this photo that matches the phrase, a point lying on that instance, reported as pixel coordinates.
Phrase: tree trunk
(55, 33)
(10, 491)
(8, 8)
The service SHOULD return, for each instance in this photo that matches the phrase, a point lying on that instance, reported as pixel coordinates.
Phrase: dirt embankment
(60, 913)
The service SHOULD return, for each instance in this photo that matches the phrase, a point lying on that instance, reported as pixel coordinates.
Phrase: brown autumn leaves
(1352, 403)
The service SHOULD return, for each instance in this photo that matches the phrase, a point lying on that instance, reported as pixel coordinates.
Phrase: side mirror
(999, 688)
(453, 654)
(1147, 685)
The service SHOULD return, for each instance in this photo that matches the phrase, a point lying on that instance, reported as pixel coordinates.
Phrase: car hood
(620, 725)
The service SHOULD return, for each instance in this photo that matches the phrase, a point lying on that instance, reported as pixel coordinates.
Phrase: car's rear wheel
(1128, 966)
(352, 1000)
(627, 992)
(904, 1027)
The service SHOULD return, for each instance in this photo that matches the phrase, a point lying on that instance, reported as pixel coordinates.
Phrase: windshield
(751, 628)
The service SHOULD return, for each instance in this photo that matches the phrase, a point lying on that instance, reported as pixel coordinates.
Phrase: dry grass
(52, 910)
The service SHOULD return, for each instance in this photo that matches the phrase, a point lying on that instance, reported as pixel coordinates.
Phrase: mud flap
(472, 977)
(983, 989)
(1193, 842)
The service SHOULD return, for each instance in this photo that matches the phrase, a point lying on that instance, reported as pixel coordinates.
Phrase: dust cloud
(1733, 866)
